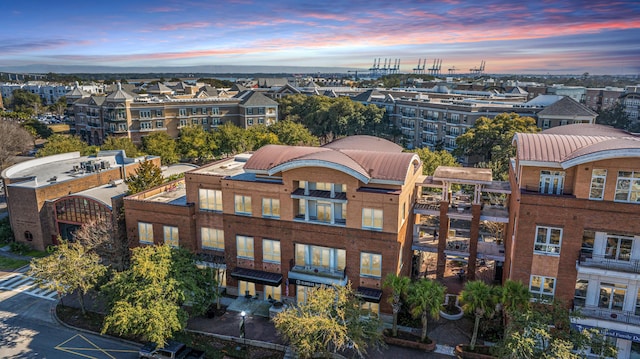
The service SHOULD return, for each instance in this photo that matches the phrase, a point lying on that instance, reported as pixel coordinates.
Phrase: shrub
(6, 234)
(20, 248)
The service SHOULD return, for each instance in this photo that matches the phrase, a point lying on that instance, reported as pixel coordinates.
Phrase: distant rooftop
(227, 168)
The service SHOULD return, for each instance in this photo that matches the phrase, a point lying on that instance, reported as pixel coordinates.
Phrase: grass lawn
(11, 264)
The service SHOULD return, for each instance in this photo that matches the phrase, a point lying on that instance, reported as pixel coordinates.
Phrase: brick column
(442, 239)
(476, 210)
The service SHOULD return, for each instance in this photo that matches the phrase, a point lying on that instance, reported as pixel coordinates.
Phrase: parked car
(173, 350)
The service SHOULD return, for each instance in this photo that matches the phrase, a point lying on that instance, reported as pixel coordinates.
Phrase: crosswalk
(19, 282)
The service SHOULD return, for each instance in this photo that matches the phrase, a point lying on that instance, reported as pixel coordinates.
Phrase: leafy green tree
(228, 139)
(515, 296)
(258, 136)
(25, 101)
(197, 286)
(479, 300)
(399, 286)
(490, 140)
(59, 106)
(161, 144)
(329, 321)
(432, 159)
(425, 299)
(62, 144)
(13, 140)
(16, 116)
(146, 176)
(121, 143)
(70, 268)
(37, 129)
(293, 134)
(194, 144)
(615, 116)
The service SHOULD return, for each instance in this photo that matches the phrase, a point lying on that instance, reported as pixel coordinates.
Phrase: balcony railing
(319, 271)
(621, 264)
(608, 314)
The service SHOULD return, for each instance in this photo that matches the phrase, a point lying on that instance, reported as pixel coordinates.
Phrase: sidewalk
(259, 328)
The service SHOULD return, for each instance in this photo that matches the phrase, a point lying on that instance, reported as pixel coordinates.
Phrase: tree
(62, 144)
(146, 176)
(478, 299)
(196, 285)
(70, 268)
(399, 286)
(145, 300)
(161, 144)
(13, 140)
(194, 144)
(432, 159)
(228, 139)
(490, 139)
(425, 298)
(25, 101)
(329, 321)
(37, 129)
(121, 143)
(615, 116)
(293, 134)
(101, 236)
(59, 106)
(258, 136)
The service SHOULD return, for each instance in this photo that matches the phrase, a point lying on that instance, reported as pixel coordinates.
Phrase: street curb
(54, 315)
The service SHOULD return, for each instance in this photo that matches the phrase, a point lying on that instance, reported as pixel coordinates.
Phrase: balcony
(608, 263)
(618, 316)
(458, 245)
(320, 271)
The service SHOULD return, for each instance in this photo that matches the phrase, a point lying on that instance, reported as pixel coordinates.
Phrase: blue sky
(543, 36)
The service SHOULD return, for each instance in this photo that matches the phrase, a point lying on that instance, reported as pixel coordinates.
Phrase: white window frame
(546, 247)
(244, 247)
(541, 295)
(370, 309)
(618, 241)
(242, 204)
(597, 175)
(633, 187)
(268, 208)
(145, 233)
(274, 292)
(245, 288)
(306, 255)
(210, 199)
(212, 238)
(368, 265)
(271, 251)
(171, 236)
(551, 182)
(370, 217)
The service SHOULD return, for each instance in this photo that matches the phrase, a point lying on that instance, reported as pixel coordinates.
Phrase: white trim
(530, 163)
(601, 155)
(319, 163)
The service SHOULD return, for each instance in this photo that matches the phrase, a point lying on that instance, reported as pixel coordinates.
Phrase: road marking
(22, 283)
(89, 349)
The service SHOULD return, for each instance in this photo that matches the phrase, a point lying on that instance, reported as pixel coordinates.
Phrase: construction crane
(477, 70)
(356, 72)
(435, 69)
(452, 70)
(420, 69)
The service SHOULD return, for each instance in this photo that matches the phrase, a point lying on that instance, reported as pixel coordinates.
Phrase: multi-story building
(48, 92)
(123, 114)
(598, 99)
(631, 102)
(286, 219)
(575, 218)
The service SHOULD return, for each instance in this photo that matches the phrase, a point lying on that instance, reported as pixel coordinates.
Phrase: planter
(408, 340)
(276, 308)
(480, 352)
(451, 316)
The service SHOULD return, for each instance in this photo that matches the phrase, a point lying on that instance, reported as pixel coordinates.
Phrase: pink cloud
(184, 26)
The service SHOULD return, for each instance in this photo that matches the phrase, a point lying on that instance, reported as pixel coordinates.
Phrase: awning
(309, 280)
(369, 294)
(257, 276)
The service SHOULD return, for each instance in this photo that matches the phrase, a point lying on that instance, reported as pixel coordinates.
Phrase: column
(442, 239)
(476, 210)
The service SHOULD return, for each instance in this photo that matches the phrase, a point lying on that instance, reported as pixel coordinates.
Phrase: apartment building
(48, 92)
(285, 219)
(598, 99)
(124, 114)
(575, 218)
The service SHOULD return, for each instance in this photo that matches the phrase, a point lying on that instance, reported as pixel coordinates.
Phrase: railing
(622, 263)
(608, 314)
(319, 271)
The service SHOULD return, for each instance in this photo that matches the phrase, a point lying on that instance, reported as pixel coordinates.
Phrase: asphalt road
(28, 330)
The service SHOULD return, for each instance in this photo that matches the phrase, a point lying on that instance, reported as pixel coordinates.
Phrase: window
(250, 122)
(271, 251)
(210, 199)
(212, 238)
(245, 246)
(215, 111)
(203, 111)
(170, 236)
(194, 121)
(122, 127)
(320, 257)
(246, 288)
(588, 239)
(182, 112)
(598, 179)
(243, 204)
(159, 113)
(194, 111)
(205, 121)
(183, 122)
(28, 236)
(372, 218)
(548, 240)
(271, 207)
(370, 265)
(628, 187)
(369, 309)
(271, 292)
(612, 296)
(249, 111)
(545, 124)
(145, 114)
(542, 288)
(159, 124)
(145, 232)
(619, 247)
(551, 182)
(145, 125)
(580, 296)
(637, 310)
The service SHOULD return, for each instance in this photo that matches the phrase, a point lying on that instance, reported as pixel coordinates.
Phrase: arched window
(28, 236)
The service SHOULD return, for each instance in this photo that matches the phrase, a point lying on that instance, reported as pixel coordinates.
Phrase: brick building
(285, 219)
(576, 225)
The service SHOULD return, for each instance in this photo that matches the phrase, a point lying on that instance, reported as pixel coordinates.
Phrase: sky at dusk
(543, 36)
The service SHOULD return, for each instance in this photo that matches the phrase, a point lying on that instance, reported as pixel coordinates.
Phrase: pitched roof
(567, 106)
(364, 157)
(571, 145)
(159, 88)
(77, 92)
(119, 95)
(252, 98)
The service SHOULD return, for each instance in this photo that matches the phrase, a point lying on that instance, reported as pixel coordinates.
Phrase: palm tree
(479, 299)
(425, 298)
(399, 286)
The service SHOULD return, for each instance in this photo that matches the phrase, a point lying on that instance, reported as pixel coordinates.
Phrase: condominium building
(575, 218)
(288, 218)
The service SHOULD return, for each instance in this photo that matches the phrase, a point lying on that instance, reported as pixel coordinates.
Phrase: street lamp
(243, 314)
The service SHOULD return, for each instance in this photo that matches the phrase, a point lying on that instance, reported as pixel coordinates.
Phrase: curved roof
(575, 144)
(380, 161)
